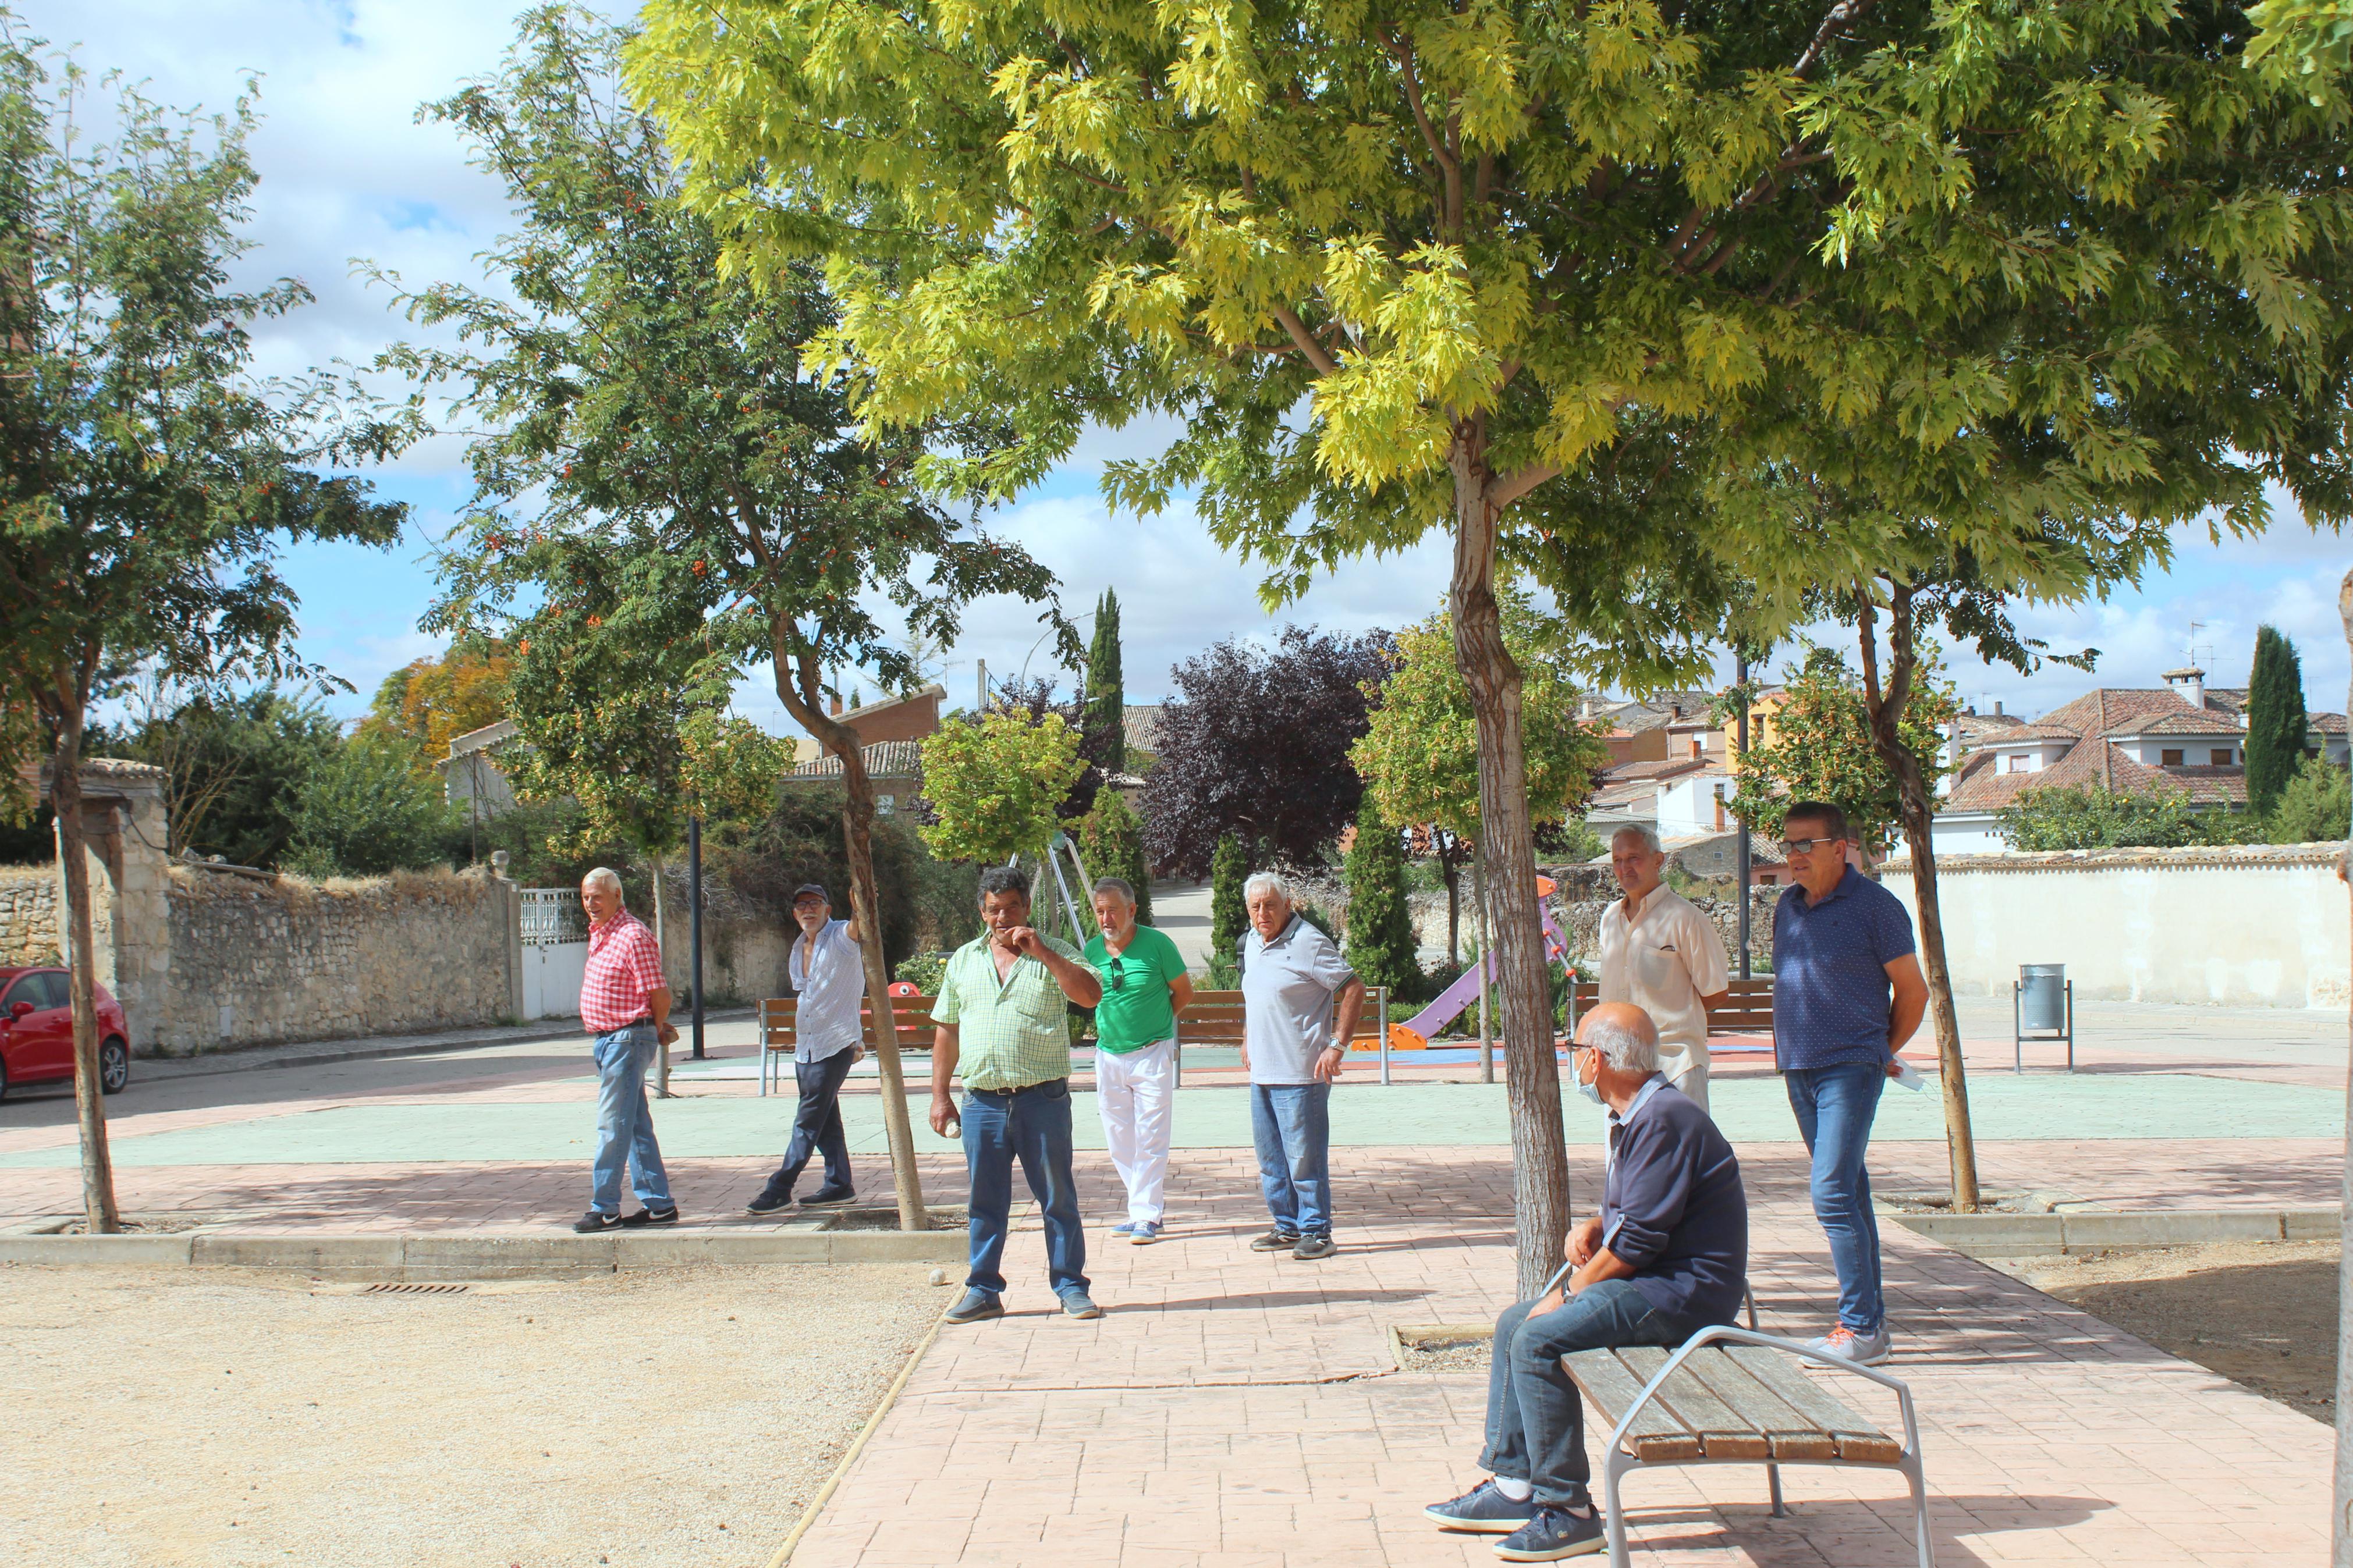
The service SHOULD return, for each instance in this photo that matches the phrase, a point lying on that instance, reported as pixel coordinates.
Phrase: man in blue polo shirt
(1847, 993)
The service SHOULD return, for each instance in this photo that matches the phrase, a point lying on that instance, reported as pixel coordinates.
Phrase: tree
(2276, 725)
(1112, 839)
(235, 764)
(1547, 274)
(363, 809)
(1254, 741)
(1419, 754)
(997, 786)
(633, 401)
(147, 478)
(1104, 742)
(2093, 817)
(1382, 948)
(1228, 915)
(2315, 806)
(1823, 748)
(431, 701)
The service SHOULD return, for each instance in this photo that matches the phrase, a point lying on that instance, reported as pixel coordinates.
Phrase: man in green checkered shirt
(1002, 1016)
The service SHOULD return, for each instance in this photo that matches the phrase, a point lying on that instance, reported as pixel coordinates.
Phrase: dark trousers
(1536, 1420)
(1031, 1125)
(817, 1125)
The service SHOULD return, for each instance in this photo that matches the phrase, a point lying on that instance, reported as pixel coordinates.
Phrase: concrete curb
(461, 1257)
(2027, 1235)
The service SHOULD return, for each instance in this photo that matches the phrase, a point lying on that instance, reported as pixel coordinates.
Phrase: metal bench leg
(1918, 1476)
(1614, 1517)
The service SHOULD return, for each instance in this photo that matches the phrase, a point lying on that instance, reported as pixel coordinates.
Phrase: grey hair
(604, 876)
(1267, 882)
(1120, 885)
(1004, 879)
(1647, 834)
(1626, 1046)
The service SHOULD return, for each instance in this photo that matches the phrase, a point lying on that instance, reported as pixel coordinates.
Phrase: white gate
(555, 952)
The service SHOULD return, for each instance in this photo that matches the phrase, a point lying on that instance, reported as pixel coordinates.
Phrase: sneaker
(1554, 1533)
(1144, 1234)
(827, 1193)
(1275, 1241)
(977, 1307)
(1079, 1304)
(772, 1198)
(1864, 1350)
(650, 1217)
(1124, 1227)
(1311, 1248)
(1483, 1510)
(590, 1222)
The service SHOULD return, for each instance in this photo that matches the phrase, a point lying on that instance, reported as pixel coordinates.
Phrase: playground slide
(1417, 1032)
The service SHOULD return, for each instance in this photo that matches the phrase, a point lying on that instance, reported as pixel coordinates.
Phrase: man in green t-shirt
(1143, 985)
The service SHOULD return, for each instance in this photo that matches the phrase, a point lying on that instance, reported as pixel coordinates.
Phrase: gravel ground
(2261, 1313)
(199, 1418)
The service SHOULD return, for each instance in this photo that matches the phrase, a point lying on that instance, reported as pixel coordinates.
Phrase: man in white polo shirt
(828, 1037)
(1661, 954)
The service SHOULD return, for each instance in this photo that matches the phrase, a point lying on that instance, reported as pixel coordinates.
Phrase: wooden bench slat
(1655, 1437)
(1722, 1434)
(1859, 1442)
(1789, 1435)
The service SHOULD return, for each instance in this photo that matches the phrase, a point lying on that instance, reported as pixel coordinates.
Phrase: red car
(36, 1031)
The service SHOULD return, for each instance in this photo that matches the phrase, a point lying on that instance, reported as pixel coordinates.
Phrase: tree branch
(1308, 346)
(1448, 166)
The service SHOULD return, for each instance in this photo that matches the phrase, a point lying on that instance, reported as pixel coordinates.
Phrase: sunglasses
(1806, 845)
(1118, 973)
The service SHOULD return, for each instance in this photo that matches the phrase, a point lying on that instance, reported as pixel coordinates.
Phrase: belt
(1009, 1093)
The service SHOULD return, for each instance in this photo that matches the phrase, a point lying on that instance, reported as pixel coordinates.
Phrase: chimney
(837, 702)
(1997, 707)
(1952, 757)
(2189, 683)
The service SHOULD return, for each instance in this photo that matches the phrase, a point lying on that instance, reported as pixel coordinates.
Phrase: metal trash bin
(2042, 1006)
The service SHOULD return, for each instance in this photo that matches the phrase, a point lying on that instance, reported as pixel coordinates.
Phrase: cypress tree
(1112, 839)
(1381, 946)
(1104, 725)
(1228, 917)
(2275, 720)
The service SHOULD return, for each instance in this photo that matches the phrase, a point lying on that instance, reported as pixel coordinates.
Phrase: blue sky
(347, 174)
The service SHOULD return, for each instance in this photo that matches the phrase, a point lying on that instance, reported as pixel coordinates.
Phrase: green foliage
(1821, 749)
(1104, 728)
(1111, 841)
(2305, 43)
(2093, 817)
(1419, 760)
(926, 972)
(2314, 807)
(1574, 841)
(364, 810)
(996, 786)
(235, 764)
(1381, 944)
(2276, 725)
(1228, 916)
(1316, 915)
(761, 860)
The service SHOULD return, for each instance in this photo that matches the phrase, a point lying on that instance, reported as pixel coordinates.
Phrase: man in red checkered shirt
(625, 1003)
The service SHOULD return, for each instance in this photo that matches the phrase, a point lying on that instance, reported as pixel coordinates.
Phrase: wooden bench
(779, 1017)
(1731, 1396)
(1216, 1018)
(1748, 1010)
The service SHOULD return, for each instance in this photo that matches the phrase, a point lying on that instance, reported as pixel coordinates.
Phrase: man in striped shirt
(625, 1004)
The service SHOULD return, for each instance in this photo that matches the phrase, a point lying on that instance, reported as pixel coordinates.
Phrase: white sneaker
(1864, 1350)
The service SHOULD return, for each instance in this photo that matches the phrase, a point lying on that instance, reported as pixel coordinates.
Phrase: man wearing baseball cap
(828, 1038)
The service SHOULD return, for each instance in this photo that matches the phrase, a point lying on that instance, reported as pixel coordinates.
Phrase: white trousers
(1136, 1091)
(1686, 1068)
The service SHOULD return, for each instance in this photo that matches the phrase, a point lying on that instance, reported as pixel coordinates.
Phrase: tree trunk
(2340, 1553)
(661, 1061)
(1452, 876)
(1507, 842)
(865, 905)
(100, 1212)
(1885, 705)
(1486, 1027)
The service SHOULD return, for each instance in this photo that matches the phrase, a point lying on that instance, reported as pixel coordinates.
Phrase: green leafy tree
(2315, 806)
(1112, 839)
(2278, 727)
(1547, 276)
(235, 764)
(1104, 739)
(365, 809)
(2305, 43)
(1228, 916)
(1821, 748)
(634, 401)
(2093, 817)
(149, 477)
(1419, 759)
(996, 787)
(1382, 948)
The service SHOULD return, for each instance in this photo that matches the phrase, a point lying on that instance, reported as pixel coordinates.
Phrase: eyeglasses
(1118, 973)
(1807, 845)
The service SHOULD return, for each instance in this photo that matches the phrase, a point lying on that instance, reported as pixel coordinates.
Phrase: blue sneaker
(1079, 1304)
(1145, 1233)
(1555, 1533)
(977, 1307)
(1483, 1510)
(1124, 1227)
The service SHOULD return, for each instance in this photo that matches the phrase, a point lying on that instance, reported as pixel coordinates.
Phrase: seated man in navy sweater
(1667, 1255)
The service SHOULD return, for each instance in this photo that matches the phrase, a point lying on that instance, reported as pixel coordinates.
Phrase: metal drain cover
(389, 1289)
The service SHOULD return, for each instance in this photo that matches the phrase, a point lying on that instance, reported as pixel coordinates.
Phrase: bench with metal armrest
(779, 1017)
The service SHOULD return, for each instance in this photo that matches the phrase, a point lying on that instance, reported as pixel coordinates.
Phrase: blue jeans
(625, 1126)
(1291, 1125)
(1535, 1419)
(1835, 1106)
(1031, 1125)
(817, 1125)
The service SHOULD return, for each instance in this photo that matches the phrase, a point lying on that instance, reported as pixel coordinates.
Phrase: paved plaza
(1235, 1408)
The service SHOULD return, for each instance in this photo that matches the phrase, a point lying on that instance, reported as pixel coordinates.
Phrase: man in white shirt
(1662, 954)
(830, 976)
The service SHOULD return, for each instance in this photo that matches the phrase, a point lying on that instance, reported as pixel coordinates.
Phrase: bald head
(1624, 1034)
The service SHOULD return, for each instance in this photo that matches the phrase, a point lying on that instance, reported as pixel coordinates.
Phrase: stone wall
(28, 915)
(1582, 922)
(255, 962)
(2258, 925)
